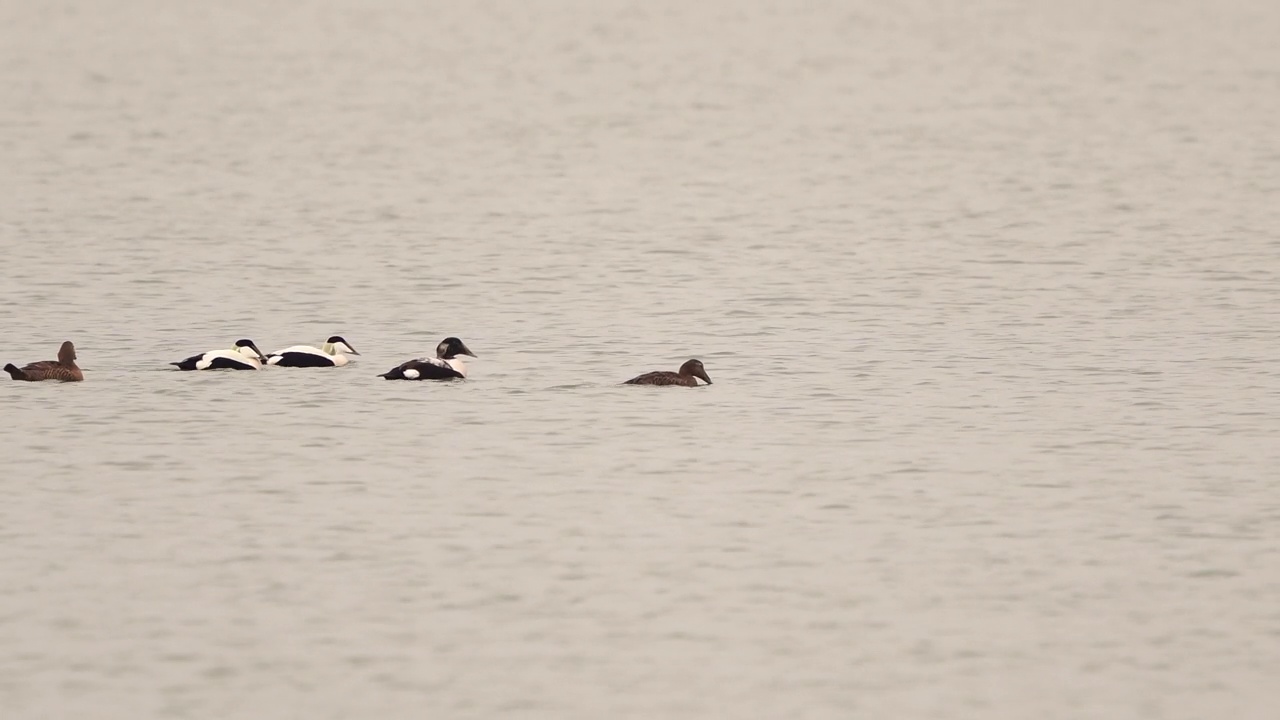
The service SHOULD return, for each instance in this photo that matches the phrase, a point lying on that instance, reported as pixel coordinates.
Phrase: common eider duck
(331, 354)
(687, 376)
(446, 365)
(64, 368)
(243, 356)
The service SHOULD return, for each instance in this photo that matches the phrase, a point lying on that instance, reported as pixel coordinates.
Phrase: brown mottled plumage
(64, 368)
(689, 372)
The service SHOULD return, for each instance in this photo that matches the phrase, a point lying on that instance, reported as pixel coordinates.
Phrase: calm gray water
(989, 292)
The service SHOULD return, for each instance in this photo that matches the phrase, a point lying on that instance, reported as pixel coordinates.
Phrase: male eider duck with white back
(243, 356)
(63, 369)
(687, 376)
(332, 354)
(446, 365)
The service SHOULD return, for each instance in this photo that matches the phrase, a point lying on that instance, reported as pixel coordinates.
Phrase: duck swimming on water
(446, 365)
(243, 356)
(330, 355)
(64, 368)
(687, 376)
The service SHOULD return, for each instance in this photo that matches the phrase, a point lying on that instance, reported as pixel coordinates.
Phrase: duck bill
(261, 355)
(351, 349)
(464, 350)
(704, 377)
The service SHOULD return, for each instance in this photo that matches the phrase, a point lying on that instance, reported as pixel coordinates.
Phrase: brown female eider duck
(64, 368)
(446, 365)
(689, 372)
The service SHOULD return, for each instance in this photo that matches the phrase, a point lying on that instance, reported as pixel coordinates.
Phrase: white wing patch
(411, 374)
(301, 349)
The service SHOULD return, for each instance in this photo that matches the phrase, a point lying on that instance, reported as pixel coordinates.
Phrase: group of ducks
(245, 355)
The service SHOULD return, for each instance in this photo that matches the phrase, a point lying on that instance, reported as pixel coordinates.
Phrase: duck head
(452, 347)
(336, 344)
(247, 348)
(693, 368)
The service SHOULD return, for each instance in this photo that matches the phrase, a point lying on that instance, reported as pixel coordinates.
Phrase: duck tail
(393, 374)
(14, 372)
